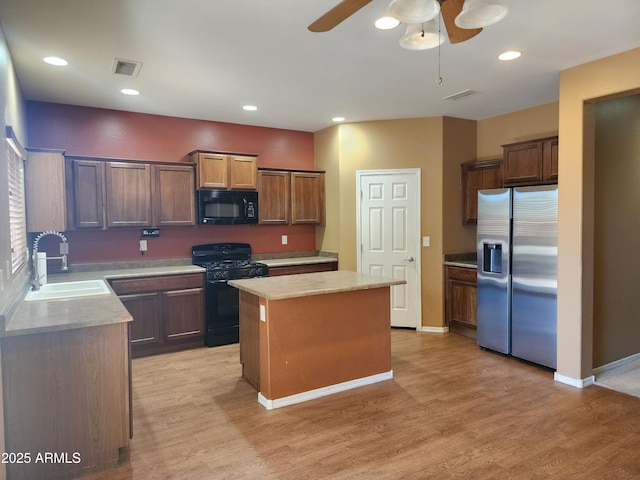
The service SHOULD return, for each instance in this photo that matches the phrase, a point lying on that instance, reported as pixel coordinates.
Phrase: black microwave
(227, 207)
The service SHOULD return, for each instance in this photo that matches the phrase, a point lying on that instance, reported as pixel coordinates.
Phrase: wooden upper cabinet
(213, 170)
(108, 194)
(128, 194)
(243, 172)
(475, 176)
(225, 171)
(532, 162)
(45, 186)
(88, 193)
(307, 198)
(274, 197)
(173, 195)
(550, 159)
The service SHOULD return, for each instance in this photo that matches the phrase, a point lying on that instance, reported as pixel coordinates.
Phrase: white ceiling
(204, 59)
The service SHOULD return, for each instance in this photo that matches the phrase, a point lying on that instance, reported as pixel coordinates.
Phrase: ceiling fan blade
(337, 14)
(450, 10)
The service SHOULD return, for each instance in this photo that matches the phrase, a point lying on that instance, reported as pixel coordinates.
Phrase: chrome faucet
(64, 251)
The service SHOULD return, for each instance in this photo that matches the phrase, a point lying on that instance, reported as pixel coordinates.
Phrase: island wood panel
(250, 338)
(316, 341)
(66, 392)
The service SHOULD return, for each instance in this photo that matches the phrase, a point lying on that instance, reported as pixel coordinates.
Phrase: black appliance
(224, 261)
(227, 207)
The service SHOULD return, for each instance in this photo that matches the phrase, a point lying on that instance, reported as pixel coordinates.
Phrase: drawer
(154, 284)
(463, 274)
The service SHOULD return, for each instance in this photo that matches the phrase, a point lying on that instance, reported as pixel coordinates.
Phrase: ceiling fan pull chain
(439, 33)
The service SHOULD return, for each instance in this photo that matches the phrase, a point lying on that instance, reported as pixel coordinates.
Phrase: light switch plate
(263, 313)
(426, 241)
(143, 245)
(285, 240)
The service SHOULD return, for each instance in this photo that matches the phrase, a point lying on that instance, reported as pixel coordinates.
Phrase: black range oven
(224, 261)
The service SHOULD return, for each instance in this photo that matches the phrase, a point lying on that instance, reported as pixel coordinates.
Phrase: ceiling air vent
(460, 95)
(130, 68)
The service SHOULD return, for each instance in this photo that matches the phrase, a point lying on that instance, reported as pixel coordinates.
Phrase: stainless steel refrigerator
(517, 240)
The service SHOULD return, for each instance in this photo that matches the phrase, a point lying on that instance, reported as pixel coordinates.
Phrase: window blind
(17, 216)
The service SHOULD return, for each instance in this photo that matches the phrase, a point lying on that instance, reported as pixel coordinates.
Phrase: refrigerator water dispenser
(492, 257)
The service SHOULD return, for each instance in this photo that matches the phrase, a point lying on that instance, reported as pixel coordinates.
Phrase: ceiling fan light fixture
(422, 36)
(386, 23)
(481, 13)
(414, 11)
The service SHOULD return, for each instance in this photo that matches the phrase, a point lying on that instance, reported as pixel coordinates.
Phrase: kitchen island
(310, 335)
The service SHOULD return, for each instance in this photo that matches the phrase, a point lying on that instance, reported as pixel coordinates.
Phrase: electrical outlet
(143, 245)
(285, 240)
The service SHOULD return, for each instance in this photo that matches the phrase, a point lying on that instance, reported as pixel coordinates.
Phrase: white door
(388, 235)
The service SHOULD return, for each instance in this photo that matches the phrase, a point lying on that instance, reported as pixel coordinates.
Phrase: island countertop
(307, 284)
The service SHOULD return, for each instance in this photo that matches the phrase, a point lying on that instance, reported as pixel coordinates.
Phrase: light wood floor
(452, 411)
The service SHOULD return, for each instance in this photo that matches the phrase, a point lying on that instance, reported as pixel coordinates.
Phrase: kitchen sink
(53, 291)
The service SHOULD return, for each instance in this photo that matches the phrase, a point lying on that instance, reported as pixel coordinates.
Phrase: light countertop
(306, 284)
(63, 314)
(464, 260)
(462, 263)
(286, 262)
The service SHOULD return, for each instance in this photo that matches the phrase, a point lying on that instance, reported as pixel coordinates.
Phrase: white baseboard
(617, 363)
(574, 382)
(434, 329)
(322, 392)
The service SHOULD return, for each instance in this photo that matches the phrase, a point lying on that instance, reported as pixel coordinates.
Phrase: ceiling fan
(463, 19)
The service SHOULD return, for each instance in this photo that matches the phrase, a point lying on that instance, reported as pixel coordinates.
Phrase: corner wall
(580, 88)
(616, 317)
(13, 114)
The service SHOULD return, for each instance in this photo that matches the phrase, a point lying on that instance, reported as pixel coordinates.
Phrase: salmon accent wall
(94, 132)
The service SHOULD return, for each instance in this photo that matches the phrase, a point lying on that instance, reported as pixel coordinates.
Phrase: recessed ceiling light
(386, 23)
(250, 108)
(509, 55)
(338, 119)
(129, 91)
(57, 61)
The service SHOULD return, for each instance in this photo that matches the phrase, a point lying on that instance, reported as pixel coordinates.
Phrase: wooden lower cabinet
(66, 393)
(305, 268)
(461, 298)
(167, 311)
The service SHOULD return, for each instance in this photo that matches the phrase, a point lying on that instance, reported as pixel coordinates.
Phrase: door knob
(409, 259)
